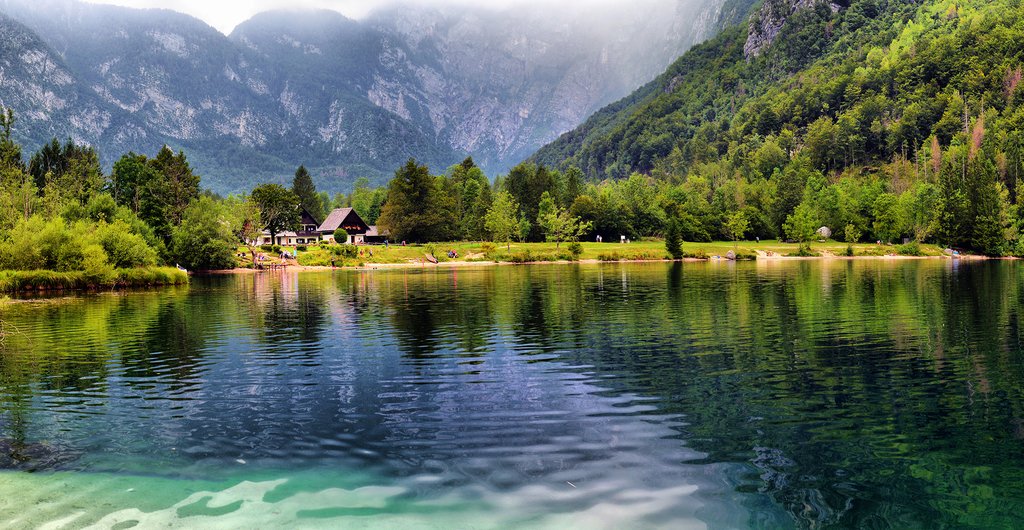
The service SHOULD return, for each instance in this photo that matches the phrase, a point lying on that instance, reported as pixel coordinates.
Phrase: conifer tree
(305, 190)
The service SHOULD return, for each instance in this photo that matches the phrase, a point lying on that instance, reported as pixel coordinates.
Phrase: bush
(204, 240)
(266, 248)
(910, 249)
(340, 236)
(849, 250)
(345, 251)
(804, 251)
(488, 249)
(575, 250)
(45, 280)
(125, 249)
(301, 248)
(696, 254)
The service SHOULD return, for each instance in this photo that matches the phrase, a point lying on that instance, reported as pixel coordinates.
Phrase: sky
(226, 14)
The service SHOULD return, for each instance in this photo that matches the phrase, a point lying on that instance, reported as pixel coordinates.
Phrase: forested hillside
(881, 119)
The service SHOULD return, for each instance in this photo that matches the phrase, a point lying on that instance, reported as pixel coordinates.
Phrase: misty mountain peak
(346, 97)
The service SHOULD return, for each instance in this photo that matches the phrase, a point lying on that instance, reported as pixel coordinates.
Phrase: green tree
(789, 189)
(673, 241)
(476, 228)
(502, 219)
(887, 217)
(802, 224)
(544, 209)
(851, 234)
(71, 171)
(527, 183)
(10, 151)
(204, 239)
(129, 180)
(305, 190)
(246, 224)
(178, 185)
(573, 185)
(736, 225)
(279, 208)
(416, 208)
(559, 225)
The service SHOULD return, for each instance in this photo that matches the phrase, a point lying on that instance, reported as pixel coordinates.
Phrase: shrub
(11, 281)
(912, 248)
(488, 248)
(266, 248)
(341, 236)
(696, 254)
(804, 251)
(345, 251)
(301, 248)
(124, 249)
(575, 250)
(849, 250)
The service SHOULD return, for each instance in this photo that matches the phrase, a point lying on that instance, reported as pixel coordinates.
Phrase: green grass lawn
(642, 250)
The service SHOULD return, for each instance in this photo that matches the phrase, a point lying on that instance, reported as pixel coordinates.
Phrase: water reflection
(812, 394)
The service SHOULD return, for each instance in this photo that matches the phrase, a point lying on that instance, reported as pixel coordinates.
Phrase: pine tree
(303, 187)
(416, 209)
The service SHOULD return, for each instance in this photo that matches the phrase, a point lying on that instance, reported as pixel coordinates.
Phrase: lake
(771, 394)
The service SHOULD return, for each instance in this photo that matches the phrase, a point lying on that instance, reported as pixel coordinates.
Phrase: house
(376, 237)
(305, 235)
(349, 220)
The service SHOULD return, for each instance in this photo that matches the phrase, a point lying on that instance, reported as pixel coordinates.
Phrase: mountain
(892, 119)
(346, 98)
(794, 62)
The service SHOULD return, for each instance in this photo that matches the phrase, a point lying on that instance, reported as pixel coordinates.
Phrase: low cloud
(226, 14)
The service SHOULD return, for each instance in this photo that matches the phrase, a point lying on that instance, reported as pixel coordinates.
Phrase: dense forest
(880, 119)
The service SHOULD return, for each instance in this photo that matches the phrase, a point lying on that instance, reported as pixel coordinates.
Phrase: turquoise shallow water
(753, 395)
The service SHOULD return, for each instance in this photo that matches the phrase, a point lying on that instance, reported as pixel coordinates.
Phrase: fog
(224, 15)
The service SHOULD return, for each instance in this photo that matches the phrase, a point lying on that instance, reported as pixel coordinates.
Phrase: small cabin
(375, 236)
(306, 234)
(347, 219)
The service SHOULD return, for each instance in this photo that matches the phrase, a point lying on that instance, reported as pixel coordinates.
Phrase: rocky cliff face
(766, 24)
(348, 98)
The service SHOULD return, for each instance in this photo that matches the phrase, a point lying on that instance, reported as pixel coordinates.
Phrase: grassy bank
(634, 251)
(45, 280)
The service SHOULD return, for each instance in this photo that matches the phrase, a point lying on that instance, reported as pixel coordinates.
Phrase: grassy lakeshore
(646, 250)
(46, 280)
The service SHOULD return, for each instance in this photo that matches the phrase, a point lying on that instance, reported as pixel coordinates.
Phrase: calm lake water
(809, 394)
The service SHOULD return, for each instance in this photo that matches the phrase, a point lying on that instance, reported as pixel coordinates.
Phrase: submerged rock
(39, 456)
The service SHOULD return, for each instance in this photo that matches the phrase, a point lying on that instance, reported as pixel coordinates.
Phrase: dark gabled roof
(338, 216)
(308, 216)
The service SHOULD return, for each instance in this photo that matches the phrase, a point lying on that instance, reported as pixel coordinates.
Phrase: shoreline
(589, 261)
